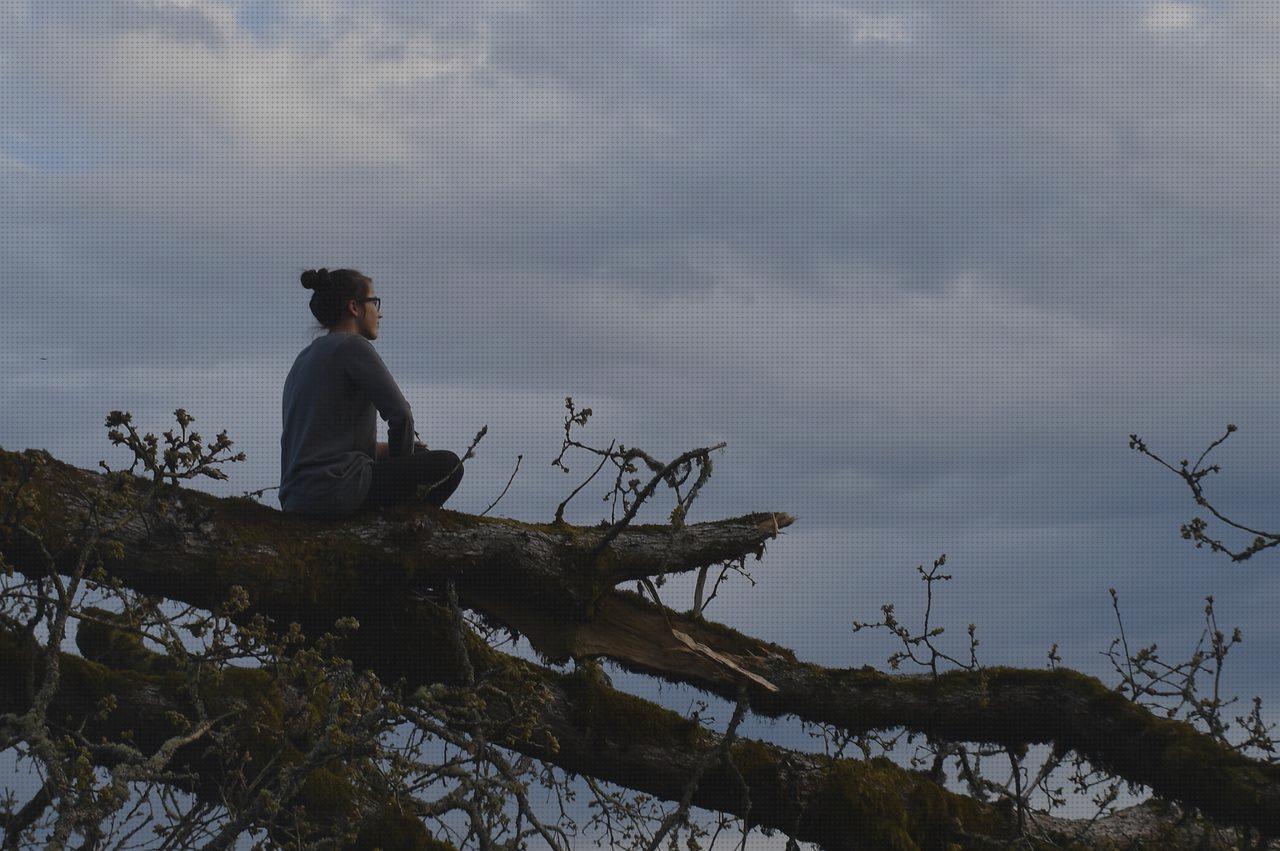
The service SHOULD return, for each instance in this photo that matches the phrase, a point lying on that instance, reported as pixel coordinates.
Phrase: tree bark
(539, 580)
(150, 699)
(583, 726)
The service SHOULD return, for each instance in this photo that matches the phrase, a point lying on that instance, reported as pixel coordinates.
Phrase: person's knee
(450, 463)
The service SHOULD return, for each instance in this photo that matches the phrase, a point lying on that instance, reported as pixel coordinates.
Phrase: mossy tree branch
(148, 706)
(313, 573)
(581, 725)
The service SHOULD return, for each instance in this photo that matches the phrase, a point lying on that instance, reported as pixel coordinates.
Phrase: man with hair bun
(331, 464)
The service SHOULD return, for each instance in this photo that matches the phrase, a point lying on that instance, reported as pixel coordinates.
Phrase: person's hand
(419, 446)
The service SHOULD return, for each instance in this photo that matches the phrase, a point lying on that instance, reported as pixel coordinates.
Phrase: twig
(1194, 530)
(519, 458)
(617, 528)
(560, 508)
(468, 454)
(681, 813)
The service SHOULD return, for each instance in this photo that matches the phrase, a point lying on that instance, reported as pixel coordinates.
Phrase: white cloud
(278, 100)
(222, 15)
(13, 12)
(10, 163)
(343, 86)
(856, 25)
(1171, 16)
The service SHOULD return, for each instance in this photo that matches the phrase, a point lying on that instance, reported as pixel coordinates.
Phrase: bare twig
(1194, 530)
(519, 458)
(681, 813)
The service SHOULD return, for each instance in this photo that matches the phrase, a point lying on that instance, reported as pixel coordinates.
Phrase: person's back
(329, 441)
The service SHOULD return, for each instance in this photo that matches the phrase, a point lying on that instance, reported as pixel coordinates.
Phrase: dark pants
(397, 479)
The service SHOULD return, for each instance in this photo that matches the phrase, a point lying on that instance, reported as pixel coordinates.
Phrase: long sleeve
(365, 368)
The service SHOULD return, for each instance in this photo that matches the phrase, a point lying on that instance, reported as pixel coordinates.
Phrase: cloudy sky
(923, 265)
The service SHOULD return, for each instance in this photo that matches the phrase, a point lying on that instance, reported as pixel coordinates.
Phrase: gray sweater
(330, 433)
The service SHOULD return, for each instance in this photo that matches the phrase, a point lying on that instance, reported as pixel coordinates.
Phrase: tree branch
(532, 578)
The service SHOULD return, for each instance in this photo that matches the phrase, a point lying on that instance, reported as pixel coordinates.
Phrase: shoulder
(354, 345)
(358, 356)
(346, 339)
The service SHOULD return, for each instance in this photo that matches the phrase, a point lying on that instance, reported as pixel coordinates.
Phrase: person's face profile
(369, 314)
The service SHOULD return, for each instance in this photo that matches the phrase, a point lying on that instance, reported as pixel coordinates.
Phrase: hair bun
(315, 279)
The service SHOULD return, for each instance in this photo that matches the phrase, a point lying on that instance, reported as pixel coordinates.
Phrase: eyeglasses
(377, 302)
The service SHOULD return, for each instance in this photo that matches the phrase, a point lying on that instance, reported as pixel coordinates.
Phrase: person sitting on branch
(330, 461)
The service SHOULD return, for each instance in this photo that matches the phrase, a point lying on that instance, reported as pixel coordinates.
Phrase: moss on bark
(151, 703)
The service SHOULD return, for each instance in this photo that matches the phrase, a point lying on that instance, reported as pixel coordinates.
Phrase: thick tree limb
(1007, 706)
(208, 540)
(532, 577)
(148, 705)
(593, 729)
